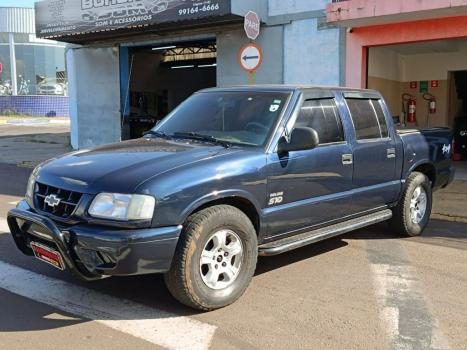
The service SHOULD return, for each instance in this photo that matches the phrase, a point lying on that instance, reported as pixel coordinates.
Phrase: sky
(17, 3)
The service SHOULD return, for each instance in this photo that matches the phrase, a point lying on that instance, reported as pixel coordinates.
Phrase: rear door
(311, 187)
(374, 152)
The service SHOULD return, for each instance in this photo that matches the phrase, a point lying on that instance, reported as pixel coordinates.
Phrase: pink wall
(360, 9)
(360, 39)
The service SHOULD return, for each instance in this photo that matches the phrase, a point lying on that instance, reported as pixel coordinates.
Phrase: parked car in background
(230, 174)
(52, 86)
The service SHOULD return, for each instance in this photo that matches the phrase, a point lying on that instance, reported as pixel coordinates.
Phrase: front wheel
(411, 215)
(215, 258)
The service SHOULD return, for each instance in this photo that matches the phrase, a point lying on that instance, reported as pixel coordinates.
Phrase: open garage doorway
(422, 71)
(424, 84)
(160, 77)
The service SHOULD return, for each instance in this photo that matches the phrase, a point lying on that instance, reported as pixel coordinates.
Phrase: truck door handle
(347, 159)
(391, 153)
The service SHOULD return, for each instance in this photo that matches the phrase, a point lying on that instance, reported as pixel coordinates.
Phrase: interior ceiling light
(180, 67)
(207, 65)
(163, 48)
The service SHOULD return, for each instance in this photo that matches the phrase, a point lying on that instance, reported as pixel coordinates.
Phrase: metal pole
(14, 82)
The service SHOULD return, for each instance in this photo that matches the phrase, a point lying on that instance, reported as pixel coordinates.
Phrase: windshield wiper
(200, 137)
(160, 134)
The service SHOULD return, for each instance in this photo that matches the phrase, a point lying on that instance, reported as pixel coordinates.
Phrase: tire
(195, 284)
(404, 220)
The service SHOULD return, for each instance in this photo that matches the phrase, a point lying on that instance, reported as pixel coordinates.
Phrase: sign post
(251, 56)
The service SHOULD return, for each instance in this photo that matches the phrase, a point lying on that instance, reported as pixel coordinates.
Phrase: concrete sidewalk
(450, 203)
(27, 142)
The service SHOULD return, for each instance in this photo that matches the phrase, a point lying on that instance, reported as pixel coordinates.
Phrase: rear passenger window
(381, 120)
(323, 116)
(368, 118)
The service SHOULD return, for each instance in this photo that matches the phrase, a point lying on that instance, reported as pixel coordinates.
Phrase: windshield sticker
(277, 102)
(273, 108)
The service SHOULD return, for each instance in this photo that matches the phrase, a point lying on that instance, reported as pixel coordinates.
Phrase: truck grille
(56, 201)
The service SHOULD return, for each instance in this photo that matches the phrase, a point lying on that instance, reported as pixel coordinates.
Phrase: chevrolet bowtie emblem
(52, 200)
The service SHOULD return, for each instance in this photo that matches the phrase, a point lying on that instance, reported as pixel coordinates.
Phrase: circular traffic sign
(250, 57)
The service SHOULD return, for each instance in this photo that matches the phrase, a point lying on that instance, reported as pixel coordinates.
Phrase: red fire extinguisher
(412, 114)
(411, 107)
(431, 102)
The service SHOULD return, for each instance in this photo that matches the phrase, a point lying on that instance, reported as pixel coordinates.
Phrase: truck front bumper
(90, 252)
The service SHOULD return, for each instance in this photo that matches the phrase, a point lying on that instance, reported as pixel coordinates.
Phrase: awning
(87, 20)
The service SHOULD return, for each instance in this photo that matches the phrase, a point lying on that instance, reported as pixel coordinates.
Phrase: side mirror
(302, 138)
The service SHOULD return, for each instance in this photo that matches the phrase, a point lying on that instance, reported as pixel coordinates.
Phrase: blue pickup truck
(230, 174)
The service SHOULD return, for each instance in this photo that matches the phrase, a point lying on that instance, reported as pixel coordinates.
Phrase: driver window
(323, 116)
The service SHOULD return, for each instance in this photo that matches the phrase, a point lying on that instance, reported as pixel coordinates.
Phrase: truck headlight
(32, 183)
(126, 207)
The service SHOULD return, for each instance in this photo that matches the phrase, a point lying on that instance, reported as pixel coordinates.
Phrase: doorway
(160, 77)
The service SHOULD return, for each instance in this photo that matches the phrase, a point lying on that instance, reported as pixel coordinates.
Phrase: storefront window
(40, 66)
(5, 75)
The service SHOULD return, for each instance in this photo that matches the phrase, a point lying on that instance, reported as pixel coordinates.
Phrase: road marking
(4, 226)
(13, 203)
(150, 324)
(406, 317)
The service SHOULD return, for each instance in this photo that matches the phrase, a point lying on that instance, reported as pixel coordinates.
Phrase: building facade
(413, 52)
(130, 63)
(32, 70)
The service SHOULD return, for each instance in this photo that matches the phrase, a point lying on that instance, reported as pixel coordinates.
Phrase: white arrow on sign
(250, 57)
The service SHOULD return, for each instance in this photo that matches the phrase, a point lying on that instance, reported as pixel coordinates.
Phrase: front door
(310, 187)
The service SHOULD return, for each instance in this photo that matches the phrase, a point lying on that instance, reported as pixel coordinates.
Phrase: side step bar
(300, 240)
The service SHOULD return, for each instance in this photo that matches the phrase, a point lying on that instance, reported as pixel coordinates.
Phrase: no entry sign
(250, 57)
(251, 25)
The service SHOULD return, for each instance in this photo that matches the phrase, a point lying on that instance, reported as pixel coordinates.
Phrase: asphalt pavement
(368, 289)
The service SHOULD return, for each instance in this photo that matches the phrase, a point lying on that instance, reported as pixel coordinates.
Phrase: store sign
(55, 18)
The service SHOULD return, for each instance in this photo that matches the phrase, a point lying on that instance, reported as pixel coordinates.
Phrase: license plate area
(48, 255)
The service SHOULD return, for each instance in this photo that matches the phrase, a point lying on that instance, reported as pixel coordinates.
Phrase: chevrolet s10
(230, 174)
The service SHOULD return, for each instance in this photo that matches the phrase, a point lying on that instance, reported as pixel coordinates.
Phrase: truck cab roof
(291, 88)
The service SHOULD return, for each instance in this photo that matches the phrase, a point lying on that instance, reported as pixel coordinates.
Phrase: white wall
(433, 66)
(311, 56)
(283, 7)
(94, 88)
(228, 68)
(385, 63)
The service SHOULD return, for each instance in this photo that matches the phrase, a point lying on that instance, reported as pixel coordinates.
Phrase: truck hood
(121, 167)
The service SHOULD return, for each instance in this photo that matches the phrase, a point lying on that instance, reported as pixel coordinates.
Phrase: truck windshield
(245, 118)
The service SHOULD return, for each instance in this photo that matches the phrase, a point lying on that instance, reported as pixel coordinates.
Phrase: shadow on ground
(13, 179)
(150, 290)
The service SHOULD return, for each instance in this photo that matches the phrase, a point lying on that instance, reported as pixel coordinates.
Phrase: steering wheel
(256, 127)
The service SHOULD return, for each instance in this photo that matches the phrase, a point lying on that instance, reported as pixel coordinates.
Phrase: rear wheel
(215, 258)
(412, 214)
